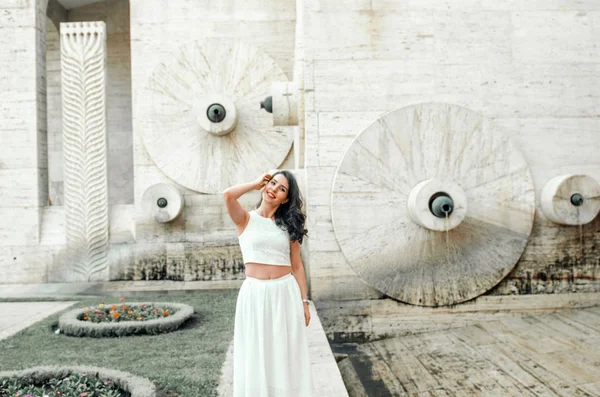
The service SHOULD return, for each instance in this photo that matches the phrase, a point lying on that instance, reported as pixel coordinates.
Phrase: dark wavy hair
(289, 216)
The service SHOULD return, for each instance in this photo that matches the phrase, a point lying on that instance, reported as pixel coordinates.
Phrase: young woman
(270, 345)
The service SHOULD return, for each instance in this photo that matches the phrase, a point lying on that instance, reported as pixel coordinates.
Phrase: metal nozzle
(267, 104)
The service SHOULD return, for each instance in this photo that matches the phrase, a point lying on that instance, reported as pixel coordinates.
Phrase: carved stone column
(83, 68)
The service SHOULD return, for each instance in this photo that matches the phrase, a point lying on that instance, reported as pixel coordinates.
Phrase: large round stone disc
(409, 262)
(199, 73)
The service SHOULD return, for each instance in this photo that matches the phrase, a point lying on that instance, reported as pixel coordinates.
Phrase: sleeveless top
(262, 241)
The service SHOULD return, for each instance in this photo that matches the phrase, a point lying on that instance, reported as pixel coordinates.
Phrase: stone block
(20, 226)
(380, 34)
(473, 37)
(15, 17)
(324, 6)
(18, 187)
(541, 5)
(338, 288)
(564, 36)
(432, 5)
(322, 236)
(53, 226)
(370, 85)
(17, 149)
(319, 189)
(463, 79)
(553, 146)
(121, 224)
(345, 124)
(333, 148)
(22, 264)
(392, 5)
(541, 90)
(311, 128)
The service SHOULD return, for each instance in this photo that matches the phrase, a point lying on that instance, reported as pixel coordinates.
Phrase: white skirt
(270, 344)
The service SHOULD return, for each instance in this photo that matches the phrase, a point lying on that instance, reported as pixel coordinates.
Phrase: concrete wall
(23, 135)
(530, 67)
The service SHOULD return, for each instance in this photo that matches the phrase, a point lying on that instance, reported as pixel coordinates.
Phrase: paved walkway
(526, 355)
(327, 380)
(19, 315)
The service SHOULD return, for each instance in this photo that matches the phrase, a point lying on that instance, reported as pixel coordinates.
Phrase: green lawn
(187, 362)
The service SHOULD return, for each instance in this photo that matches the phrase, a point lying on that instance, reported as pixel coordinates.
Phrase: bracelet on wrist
(305, 300)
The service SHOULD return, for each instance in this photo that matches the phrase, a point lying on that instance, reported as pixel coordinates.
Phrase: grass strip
(187, 361)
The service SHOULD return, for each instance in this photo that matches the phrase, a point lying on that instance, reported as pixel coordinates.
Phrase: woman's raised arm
(236, 212)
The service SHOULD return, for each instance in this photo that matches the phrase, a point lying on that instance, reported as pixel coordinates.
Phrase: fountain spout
(441, 205)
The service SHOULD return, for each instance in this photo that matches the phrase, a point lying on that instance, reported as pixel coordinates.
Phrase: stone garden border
(136, 385)
(69, 323)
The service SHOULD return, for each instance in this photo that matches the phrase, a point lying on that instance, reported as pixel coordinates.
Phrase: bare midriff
(266, 272)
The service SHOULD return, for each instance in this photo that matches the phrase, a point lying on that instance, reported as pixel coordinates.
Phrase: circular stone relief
(482, 179)
(208, 152)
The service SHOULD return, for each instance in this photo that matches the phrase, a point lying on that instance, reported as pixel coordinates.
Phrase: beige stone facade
(530, 71)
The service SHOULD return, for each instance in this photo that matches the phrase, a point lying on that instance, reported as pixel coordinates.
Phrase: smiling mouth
(270, 195)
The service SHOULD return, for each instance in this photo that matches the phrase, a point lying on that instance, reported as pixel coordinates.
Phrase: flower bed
(74, 381)
(124, 319)
(124, 312)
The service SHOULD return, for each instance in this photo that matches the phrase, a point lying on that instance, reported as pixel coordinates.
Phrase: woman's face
(276, 191)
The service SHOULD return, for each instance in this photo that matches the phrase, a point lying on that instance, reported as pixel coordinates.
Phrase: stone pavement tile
(19, 315)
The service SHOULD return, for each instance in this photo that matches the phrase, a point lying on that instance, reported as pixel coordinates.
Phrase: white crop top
(262, 241)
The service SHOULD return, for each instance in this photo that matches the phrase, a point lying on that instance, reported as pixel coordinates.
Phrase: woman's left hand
(306, 314)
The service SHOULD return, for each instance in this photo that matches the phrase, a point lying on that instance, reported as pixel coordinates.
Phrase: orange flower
(139, 319)
(116, 315)
(166, 313)
(130, 312)
(85, 318)
(125, 308)
(87, 310)
(121, 299)
(96, 311)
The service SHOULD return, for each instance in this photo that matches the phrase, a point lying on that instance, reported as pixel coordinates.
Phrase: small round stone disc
(556, 199)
